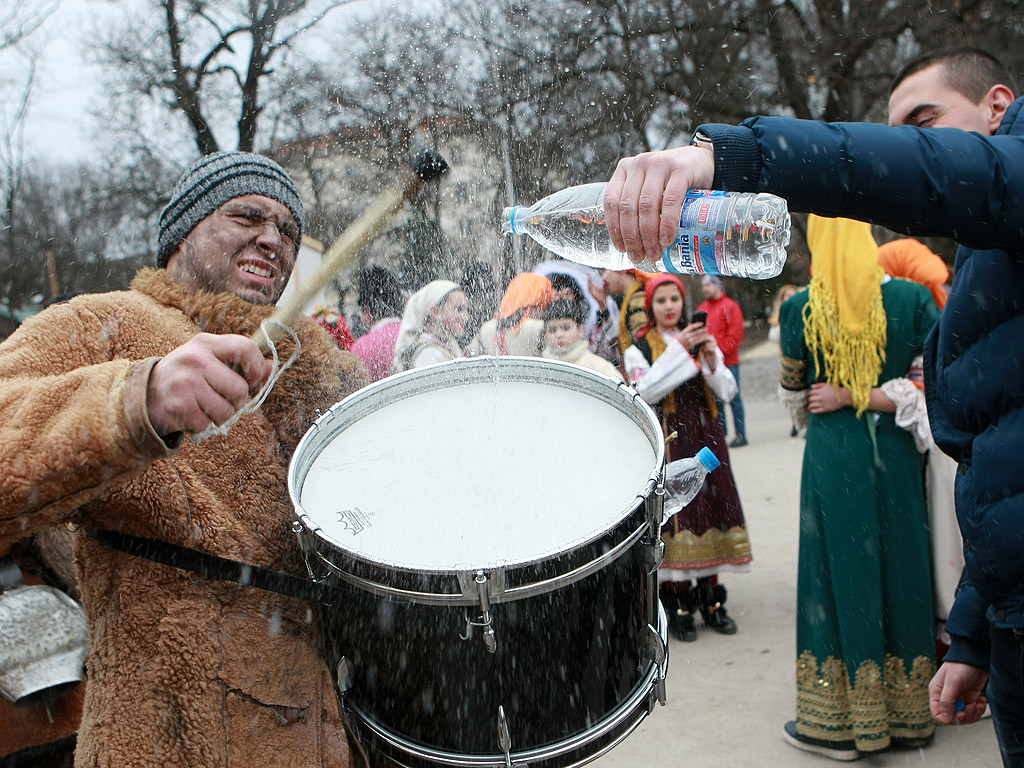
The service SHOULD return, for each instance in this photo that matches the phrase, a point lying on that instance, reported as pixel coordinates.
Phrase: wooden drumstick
(427, 165)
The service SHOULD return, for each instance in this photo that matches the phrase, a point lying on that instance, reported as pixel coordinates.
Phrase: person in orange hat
(679, 369)
(913, 260)
(518, 325)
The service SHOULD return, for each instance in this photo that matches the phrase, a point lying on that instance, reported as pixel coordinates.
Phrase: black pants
(1006, 693)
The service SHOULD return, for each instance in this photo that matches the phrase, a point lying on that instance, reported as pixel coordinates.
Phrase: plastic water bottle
(684, 478)
(720, 233)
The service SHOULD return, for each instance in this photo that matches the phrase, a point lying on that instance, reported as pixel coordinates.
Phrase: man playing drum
(95, 397)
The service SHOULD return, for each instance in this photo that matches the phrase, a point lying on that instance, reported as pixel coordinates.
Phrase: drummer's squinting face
(246, 247)
(451, 315)
(562, 332)
(667, 306)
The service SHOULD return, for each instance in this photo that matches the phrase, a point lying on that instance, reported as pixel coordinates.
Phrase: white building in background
(338, 174)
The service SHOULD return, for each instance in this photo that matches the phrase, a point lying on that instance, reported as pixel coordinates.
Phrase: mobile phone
(702, 318)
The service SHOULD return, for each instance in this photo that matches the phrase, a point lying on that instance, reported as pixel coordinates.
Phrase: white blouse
(674, 367)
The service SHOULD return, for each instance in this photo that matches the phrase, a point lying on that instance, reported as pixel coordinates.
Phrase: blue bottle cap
(512, 216)
(708, 459)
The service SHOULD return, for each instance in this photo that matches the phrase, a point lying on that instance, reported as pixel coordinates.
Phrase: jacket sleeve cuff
(140, 429)
(966, 651)
(967, 617)
(737, 156)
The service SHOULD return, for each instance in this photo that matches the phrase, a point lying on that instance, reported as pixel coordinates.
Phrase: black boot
(712, 607)
(680, 606)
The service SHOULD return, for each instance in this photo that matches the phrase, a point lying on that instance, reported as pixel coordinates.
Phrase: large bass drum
(492, 528)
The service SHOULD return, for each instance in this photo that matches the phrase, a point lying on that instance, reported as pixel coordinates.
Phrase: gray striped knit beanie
(212, 181)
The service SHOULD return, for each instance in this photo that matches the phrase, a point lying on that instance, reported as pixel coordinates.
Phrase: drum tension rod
(505, 740)
(485, 620)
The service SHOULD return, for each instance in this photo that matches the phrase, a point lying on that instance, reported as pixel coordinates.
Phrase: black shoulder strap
(213, 566)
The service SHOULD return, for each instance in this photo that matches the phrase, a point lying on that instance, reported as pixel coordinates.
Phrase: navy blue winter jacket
(935, 181)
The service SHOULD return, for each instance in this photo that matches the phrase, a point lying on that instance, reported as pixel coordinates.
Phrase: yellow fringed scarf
(844, 321)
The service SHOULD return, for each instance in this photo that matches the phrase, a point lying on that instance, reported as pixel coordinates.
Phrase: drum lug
(653, 554)
(316, 568)
(485, 620)
(653, 647)
(505, 740)
(656, 503)
(653, 547)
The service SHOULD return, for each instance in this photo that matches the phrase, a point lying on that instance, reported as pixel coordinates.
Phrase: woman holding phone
(678, 369)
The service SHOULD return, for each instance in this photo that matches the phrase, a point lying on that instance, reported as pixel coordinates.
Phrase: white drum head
(479, 474)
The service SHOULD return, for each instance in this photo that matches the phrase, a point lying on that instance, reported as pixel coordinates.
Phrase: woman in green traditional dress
(865, 639)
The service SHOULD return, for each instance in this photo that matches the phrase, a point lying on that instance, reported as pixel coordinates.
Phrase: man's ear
(997, 101)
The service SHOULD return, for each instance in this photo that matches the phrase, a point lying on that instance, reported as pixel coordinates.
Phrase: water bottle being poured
(720, 233)
(684, 478)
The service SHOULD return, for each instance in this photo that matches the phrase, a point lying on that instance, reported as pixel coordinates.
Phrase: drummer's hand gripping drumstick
(427, 166)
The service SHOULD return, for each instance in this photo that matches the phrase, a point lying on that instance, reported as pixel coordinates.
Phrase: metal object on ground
(43, 640)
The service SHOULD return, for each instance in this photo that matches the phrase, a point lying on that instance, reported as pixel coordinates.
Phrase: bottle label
(699, 249)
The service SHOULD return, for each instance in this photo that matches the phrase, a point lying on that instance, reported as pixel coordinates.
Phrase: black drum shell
(565, 660)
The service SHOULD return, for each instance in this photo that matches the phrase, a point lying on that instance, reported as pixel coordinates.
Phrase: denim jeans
(1006, 694)
(738, 421)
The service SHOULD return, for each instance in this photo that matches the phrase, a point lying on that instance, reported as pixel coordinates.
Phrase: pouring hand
(644, 198)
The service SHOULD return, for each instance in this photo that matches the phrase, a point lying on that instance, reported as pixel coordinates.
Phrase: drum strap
(214, 566)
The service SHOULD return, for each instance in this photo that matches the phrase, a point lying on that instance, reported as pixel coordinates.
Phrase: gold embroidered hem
(687, 551)
(875, 709)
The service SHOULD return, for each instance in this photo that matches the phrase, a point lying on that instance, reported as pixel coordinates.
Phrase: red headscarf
(654, 283)
(657, 343)
(627, 320)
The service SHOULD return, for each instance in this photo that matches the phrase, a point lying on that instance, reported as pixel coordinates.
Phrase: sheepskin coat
(182, 671)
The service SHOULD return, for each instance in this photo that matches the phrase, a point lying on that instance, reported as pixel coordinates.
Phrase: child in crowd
(678, 369)
(564, 338)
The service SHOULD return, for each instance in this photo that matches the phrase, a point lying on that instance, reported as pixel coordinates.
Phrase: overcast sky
(60, 126)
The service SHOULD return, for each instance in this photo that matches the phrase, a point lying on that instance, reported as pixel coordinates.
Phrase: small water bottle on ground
(743, 234)
(684, 478)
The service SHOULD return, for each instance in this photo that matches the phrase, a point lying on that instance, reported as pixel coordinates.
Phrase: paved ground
(728, 697)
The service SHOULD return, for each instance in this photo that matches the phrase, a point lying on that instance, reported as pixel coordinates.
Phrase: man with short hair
(967, 184)
(725, 323)
(627, 290)
(96, 396)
